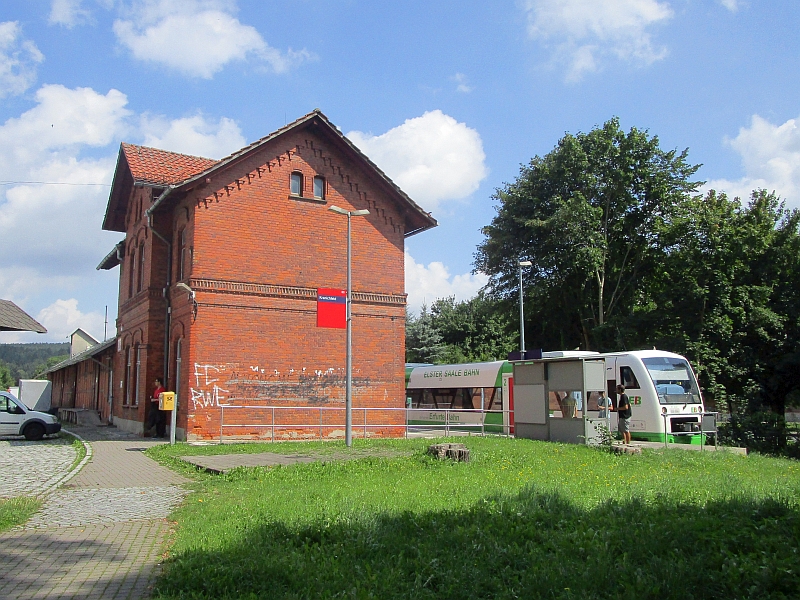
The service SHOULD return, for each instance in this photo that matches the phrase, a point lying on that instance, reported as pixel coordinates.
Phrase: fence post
(320, 423)
(221, 420)
(365, 423)
(273, 423)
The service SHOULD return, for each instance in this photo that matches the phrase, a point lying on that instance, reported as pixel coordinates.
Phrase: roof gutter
(149, 212)
(168, 283)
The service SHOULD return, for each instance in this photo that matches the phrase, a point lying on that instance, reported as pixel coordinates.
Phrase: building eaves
(88, 353)
(13, 318)
(113, 258)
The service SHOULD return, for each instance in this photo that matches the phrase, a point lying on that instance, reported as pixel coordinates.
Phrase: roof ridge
(129, 145)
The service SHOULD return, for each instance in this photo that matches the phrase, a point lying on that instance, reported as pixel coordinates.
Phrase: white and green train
(666, 403)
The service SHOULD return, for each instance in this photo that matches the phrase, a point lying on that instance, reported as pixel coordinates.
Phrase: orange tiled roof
(159, 167)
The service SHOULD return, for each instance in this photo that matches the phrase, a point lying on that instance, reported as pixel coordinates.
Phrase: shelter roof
(13, 318)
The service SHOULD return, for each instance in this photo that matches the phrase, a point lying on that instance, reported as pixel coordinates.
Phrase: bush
(763, 432)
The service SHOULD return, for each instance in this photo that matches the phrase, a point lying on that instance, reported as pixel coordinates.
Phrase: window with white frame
(296, 184)
(319, 187)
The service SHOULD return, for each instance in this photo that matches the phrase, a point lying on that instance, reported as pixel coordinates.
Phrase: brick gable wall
(258, 255)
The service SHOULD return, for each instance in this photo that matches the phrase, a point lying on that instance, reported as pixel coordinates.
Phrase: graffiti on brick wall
(215, 385)
(206, 392)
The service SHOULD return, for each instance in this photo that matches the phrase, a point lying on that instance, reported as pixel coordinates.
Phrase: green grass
(80, 453)
(16, 511)
(522, 520)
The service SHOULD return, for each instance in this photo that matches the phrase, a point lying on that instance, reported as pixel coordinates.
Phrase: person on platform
(624, 413)
(157, 422)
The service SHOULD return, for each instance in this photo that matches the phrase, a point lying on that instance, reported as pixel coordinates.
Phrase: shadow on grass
(529, 546)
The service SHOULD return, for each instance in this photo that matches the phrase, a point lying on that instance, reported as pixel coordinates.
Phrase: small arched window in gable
(296, 184)
(140, 276)
(132, 272)
(319, 187)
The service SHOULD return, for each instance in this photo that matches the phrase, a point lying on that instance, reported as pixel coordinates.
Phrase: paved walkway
(100, 534)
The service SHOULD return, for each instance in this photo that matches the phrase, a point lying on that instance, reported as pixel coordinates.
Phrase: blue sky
(449, 98)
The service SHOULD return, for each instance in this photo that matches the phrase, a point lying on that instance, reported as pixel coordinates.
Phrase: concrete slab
(222, 463)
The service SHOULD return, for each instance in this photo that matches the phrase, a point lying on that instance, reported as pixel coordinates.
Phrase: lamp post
(348, 402)
(522, 263)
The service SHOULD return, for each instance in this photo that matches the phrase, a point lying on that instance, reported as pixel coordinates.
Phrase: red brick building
(219, 272)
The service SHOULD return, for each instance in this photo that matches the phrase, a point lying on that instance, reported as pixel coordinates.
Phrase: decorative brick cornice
(283, 291)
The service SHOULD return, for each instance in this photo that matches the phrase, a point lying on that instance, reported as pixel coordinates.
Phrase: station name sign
(452, 373)
(331, 308)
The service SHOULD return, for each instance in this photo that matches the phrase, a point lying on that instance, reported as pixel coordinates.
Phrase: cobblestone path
(97, 536)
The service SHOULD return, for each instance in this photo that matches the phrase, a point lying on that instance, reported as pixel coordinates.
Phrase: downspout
(168, 283)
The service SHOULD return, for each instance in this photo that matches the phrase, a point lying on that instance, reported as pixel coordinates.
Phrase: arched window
(319, 187)
(132, 272)
(140, 277)
(296, 184)
(182, 256)
(137, 372)
(126, 399)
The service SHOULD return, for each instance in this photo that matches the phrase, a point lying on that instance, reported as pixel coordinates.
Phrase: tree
(588, 215)
(474, 330)
(423, 340)
(726, 295)
(6, 380)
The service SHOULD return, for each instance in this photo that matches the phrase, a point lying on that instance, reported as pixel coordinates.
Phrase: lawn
(523, 519)
(16, 511)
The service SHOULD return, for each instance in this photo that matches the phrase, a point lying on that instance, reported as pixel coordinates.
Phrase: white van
(18, 419)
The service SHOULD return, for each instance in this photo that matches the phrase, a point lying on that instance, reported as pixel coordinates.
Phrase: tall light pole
(348, 401)
(522, 263)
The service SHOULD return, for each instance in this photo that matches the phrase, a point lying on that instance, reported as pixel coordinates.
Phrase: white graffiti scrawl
(206, 393)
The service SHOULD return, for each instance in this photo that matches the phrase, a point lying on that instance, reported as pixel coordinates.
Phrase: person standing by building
(602, 405)
(624, 413)
(156, 422)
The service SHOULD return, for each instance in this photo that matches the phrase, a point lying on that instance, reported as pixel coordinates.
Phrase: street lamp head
(351, 213)
(525, 263)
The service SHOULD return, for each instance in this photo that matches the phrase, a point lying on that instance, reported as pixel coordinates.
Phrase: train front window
(674, 380)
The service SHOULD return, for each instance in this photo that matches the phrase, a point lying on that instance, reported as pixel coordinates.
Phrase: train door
(508, 403)
(630, 374)
(611, 389)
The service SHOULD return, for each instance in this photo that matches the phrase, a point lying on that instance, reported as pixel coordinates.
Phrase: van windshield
(674, 380)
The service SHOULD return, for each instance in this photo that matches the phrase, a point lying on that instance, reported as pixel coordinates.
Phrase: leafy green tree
(478, 329)
(588, 215)
(725, 294)
(423, 340)
(6, 380)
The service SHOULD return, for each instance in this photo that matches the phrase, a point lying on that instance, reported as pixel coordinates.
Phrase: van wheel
(34, 432)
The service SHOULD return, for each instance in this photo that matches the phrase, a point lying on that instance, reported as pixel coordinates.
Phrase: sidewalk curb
(73, 472)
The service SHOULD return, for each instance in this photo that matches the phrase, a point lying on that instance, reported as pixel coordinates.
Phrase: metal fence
(325, 422)
(708, 424)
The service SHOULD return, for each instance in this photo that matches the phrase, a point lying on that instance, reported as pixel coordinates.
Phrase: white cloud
(197, 37)
(52, 236)
(583, 33)
(771, 160)
(18, 60)
(67, 13)
(731, 5)
(193, 135)
(63, 317)
(462, 86)
(426, 284)
(432, 158)
(55, 229)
